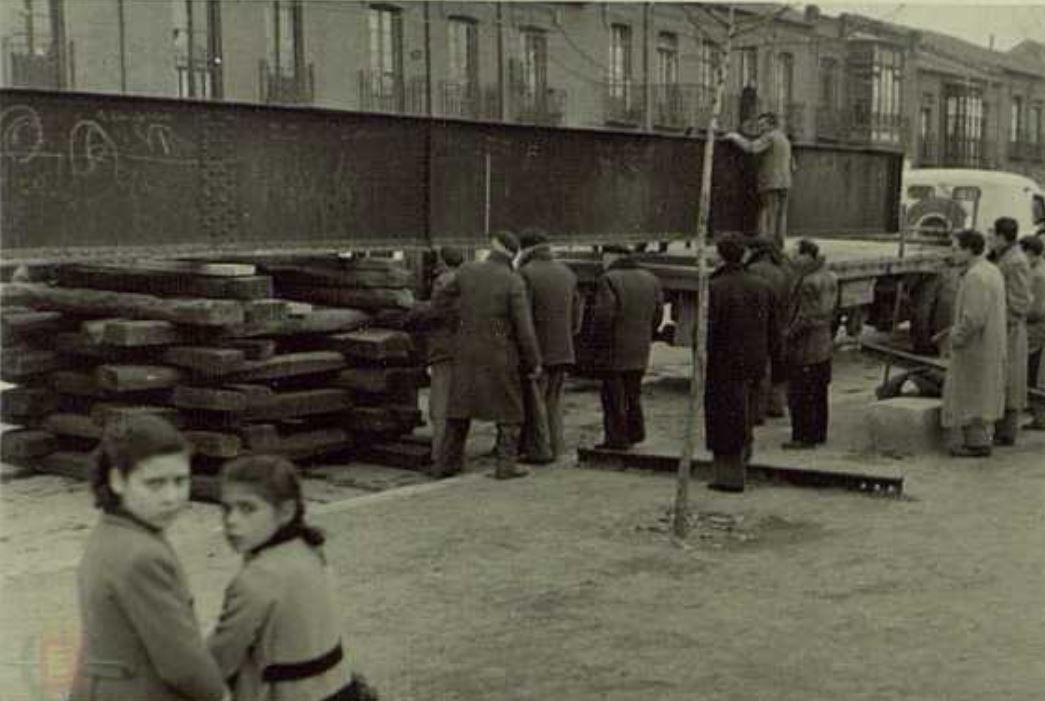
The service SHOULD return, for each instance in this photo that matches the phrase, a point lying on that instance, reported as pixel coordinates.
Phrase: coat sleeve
(152, 594)
(522, 323)
(1017, 291)
(814, 304)
(658, 303)
(1036, 312)
(604, 311)
(973, 309)
(757, 145)
(247, 606)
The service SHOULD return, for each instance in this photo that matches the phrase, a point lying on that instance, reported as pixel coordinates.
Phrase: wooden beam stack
(208, 346)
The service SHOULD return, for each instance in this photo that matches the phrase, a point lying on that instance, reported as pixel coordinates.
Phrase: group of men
(501, 339)
(770, 326)
(996, 339)
(502, 333)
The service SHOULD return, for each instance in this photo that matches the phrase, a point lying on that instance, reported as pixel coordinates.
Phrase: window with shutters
(197, 47)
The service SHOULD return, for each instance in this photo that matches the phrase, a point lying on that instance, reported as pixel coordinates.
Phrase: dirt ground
(566, 585)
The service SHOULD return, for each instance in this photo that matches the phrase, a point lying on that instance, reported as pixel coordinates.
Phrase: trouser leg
(553, 388)
(534, 437)
(1007, 427)
(507, 447)
(819, 405)
(438, 399)
(780, 223)
(798, 405)
(634, 421)
(450, 459)
(777, 399)
(765, 215)
(729, 471)
(614, 411)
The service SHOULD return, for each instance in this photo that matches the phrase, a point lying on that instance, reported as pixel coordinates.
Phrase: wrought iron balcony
(545, 107)
(285, 88)
(670, 106)
(41, 66)
(1023, 149)
(467, 100)
(967, 152)
(928, 151)
(384, 93)
(623, 103)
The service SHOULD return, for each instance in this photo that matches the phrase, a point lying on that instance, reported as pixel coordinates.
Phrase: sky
(976, 22)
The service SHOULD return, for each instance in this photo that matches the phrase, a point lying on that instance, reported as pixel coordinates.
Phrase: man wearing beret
(494, 347)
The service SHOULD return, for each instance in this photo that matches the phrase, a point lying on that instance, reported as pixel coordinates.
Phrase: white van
(937, 201)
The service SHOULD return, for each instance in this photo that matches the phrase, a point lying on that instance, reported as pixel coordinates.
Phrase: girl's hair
(124, 445)
(276, 480)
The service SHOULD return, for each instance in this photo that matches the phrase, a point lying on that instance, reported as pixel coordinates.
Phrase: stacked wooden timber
(209, 347)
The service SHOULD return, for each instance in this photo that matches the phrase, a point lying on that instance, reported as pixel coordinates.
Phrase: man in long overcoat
(974, 388)
(809, 342)
(557, 309)
(743, 337)
(494, 347)
(768, 262)
(1033, 248)
(1015, 270)
(629, 306)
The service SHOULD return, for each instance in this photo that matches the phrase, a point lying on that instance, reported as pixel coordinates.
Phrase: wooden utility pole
(698, 364)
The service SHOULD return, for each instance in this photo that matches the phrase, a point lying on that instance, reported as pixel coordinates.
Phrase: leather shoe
(729, 488)
(514, 473)
(798, 445)
(968, 451)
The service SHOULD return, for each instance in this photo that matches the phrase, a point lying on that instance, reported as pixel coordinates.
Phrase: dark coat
(778, 275)
(494, 341)
(743, 335)
(556, 304)
(141, 639)
(435, 320)
(280, 610)
(629, 307)
(811, 317)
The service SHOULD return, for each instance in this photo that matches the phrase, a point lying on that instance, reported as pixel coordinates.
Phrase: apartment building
(625, 66)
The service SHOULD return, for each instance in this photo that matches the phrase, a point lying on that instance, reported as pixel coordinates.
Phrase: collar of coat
(542, 251)
(497, 256)
(123, 516)
(623, 263)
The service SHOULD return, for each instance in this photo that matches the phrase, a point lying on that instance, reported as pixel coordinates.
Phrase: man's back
(742, 321)
(552, 287)
(628, 309)
(774, 161)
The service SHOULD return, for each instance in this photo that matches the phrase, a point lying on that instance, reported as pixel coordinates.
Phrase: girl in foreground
(278, 636)
(141, 639)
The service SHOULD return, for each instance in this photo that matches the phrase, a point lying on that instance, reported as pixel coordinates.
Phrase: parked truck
(88, 176)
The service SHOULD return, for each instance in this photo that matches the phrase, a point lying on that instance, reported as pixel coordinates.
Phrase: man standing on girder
(974, 388)
(775, 166)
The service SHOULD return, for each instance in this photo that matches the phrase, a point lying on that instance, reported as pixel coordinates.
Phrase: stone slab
(905, 426)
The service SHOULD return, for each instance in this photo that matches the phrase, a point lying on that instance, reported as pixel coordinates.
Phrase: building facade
(628, 66)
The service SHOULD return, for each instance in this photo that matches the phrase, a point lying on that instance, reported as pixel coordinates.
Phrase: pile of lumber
(212, 348)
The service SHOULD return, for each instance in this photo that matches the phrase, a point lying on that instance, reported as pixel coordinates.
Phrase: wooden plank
(28, 401)
(304, 403)
(290, 365)
(263, 311)
(195, 267)
(307, 444)
(384, 419)
(128, 332)
(372, 344)
(18, 364)
(408, 455)
(201, 312)
(376, 380)
(206, 360)
(80, 344)
(259, 438)
(73, 425)
(105, 413)
(134, 378)
(396, 276)
(253, 348)
(319, 321)
(367, 299)
(80, 384)
(17, 325)
(21, 445)
(209, 398)
(163, 283)
(74, 464)
(214, 444)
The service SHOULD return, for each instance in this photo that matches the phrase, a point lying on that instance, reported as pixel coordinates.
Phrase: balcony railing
(622, 103)
(41, 68)
(545, 106)
(383, 93)
(285, 88)
(878, 128)
(928, 151)
(967, 152)
(832, 124)
(467, 100)
(670, 106)
(1025, 150)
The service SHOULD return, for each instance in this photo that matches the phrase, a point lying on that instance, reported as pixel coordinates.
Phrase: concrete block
(906, 426)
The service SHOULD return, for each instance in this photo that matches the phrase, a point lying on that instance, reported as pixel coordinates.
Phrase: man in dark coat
(767, 261)
(494, 343)
(557, 309)
(743, 337)
(629, 306)
(809, 342)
